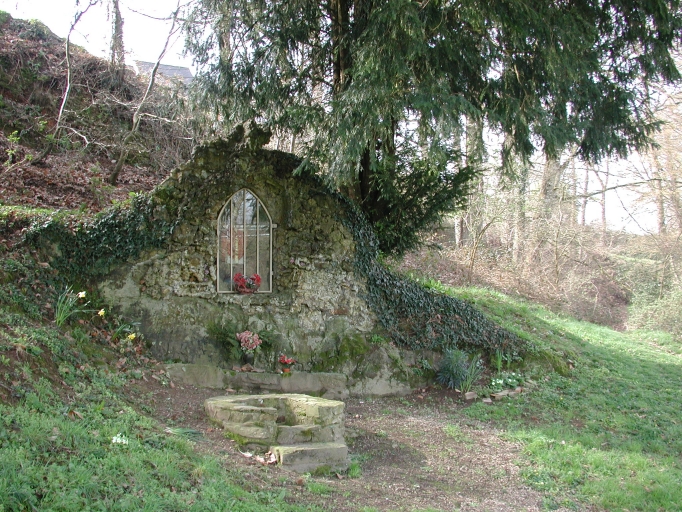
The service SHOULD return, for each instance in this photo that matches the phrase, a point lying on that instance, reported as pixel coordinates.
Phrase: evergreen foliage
(377, 91)
(89, 247)
(414, 316)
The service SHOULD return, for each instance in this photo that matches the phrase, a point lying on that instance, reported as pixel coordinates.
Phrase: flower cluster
(119, 439)
(249, 341)
(283, 359)
(246, 284)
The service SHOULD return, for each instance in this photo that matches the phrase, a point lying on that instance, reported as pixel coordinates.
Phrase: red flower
(245, 284)
(283, 359)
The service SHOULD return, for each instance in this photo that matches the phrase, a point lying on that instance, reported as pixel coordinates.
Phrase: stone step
(304, 458)
(251, 433)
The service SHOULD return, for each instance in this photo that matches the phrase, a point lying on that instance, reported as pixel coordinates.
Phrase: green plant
(454, 432)
(377, 339)
(453, 368)
(187, 433)
(497, 360)
(123, 330)
(506, 380)
(319, 488)
(225, 335)
(68, 304)
(354, 470)
(79, 335)
(473, 373)
(13, 139)
(4, 360)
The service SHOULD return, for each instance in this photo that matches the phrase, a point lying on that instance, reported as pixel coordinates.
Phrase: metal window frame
(271, 227)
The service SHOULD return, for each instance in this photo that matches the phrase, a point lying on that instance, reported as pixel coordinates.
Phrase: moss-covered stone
(317, 297)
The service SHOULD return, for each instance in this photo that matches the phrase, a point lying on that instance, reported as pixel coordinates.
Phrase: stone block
(227, 409)
(252, 433)
(330, 434)
(199, 375)
(304, 458)
(296, 434)
(311, 410)
(308, 430)
(327, 385)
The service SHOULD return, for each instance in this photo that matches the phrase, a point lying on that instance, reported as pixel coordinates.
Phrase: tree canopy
(382, 94)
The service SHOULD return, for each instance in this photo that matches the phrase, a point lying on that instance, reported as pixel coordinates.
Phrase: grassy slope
(61, 407)
(611, 432)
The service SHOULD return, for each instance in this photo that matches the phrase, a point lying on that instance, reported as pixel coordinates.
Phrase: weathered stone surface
(296, 434)
(308, 430)
(226, 409)
(470, 395)
(252, 433)
(317, 310)
(172, 292)
(200, 375)
(305, 458)
(326, 385)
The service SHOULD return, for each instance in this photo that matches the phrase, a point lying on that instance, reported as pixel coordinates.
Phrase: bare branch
(137, 116)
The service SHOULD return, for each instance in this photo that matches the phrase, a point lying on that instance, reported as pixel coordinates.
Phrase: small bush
(453, 368)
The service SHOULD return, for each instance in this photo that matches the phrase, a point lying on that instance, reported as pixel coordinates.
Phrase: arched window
(244, 242)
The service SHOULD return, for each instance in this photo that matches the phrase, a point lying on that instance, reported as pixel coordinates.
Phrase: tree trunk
(137, 117)
(67, 91)
(550, 185)
(117, 63)
(520, 215)
(586, 186)
(674, 186)
(660, 204)
(340, 20)
(225, 35)
(604, 183)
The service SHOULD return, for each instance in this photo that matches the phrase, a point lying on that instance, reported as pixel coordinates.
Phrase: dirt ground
(416, 453)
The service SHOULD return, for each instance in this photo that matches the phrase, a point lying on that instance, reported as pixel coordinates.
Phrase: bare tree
(117, 59)
(138, 115)
(67, 90)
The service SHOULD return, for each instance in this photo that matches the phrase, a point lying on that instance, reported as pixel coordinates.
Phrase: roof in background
(181, 73)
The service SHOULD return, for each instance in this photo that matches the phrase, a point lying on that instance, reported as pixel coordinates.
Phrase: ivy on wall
(89, 248)
(414, 316)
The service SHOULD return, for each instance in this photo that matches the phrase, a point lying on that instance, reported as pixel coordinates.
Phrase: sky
(143, 37)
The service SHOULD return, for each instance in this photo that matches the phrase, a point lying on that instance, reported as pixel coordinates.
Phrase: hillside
(97, 116)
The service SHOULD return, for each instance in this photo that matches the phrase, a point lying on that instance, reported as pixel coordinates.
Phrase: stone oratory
(244, 213)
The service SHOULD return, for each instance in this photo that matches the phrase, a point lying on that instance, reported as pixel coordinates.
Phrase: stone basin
(304, 432)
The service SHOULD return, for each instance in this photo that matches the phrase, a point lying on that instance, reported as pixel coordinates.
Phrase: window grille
(244, 241)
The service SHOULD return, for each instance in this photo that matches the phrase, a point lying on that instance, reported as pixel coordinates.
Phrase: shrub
(453, 368)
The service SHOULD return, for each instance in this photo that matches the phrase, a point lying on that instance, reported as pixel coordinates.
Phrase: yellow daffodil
(81, 295)
(101, 312)
(131, 336)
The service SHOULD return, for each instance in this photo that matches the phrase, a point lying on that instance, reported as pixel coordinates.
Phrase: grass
(610, 432)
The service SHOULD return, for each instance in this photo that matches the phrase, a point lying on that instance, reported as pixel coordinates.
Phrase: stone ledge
(303, 458)
(326, 385)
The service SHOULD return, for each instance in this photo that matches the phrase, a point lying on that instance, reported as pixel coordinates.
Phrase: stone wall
(317, 301)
